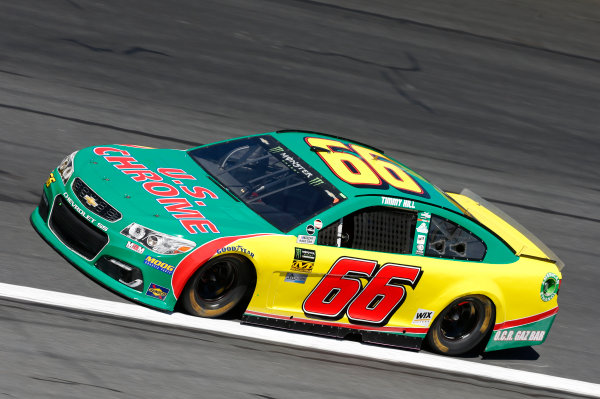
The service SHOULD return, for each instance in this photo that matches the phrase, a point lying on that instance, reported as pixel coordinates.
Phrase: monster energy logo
(317, 181)
(303, 254)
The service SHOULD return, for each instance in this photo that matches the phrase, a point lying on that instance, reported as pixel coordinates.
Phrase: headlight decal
(155, 241)
(66, 167)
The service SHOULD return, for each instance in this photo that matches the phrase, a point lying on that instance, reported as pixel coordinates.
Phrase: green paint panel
(526, 335)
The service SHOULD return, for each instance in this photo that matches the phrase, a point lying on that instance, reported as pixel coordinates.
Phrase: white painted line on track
(398, 356)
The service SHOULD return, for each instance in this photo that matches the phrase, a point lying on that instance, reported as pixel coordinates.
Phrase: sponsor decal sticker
(310, 229)
(169, 186)
(422, 228)
(521, 335)
(50, 180)
(299, 278)
(291, 162)
(403, 203)
(423, 219)
(549, 287)
(304, 260)
(234, 248)
(302, 266)
(156, 291)
(159, 265)
(134, 247)
(306, 239)
(318, 224)
(305, 254)
(423, 317)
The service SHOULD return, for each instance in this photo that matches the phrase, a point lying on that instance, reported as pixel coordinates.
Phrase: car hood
(165, 190)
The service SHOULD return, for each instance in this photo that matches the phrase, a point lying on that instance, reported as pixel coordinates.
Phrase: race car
(302, 231)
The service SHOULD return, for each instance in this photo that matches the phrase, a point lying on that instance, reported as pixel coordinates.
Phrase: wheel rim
(216, 281)
(460, 321)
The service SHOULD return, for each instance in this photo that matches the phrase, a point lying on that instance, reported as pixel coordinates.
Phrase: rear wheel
(219, 287)
(462, 325)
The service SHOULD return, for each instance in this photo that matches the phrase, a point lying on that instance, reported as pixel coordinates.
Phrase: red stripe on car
(526, 320)
(198, 257)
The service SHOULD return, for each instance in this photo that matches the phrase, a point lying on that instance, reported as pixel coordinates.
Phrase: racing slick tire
(220, 287)
(462, 325)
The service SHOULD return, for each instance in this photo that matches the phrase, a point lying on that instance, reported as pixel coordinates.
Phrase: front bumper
(107, 262)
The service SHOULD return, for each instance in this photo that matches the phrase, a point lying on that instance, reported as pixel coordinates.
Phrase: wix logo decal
(423, 317)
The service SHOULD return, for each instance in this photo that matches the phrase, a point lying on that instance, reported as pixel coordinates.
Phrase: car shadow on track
(523, 353)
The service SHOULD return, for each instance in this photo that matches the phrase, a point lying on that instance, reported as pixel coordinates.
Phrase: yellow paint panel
(519, 242)
(514, 288)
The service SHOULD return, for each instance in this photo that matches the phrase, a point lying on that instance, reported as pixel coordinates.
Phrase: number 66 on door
(340, 291)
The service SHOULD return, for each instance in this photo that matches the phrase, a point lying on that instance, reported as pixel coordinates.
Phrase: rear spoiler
(524, 242)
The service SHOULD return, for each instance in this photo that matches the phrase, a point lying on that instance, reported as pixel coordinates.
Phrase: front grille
(94, 202)
(74, 231)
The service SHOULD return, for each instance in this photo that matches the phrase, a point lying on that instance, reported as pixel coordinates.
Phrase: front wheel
(462, 325)
(219, 287)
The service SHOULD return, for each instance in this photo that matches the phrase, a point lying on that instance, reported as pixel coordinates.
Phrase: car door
(360, 271)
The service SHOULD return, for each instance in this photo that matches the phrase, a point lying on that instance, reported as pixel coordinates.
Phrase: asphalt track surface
(501, 97)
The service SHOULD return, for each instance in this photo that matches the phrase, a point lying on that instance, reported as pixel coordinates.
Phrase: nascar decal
(341, 292)
(170, 196)
(156, 291)
(361, 166)
(304, 260)
(195, 259)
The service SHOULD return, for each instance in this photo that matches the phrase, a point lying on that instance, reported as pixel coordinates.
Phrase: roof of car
(296, 140)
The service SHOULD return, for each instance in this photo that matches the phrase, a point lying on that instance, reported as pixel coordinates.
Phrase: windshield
(269, 178)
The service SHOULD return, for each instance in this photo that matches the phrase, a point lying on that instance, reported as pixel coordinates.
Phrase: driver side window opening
(378, 229)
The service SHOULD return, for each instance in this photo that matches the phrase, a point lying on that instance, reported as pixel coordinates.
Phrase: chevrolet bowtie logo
(90, 201)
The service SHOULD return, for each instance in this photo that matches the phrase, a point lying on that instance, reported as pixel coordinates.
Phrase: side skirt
(400, 340)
